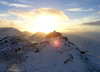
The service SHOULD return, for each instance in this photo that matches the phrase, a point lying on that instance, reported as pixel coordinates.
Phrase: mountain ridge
(9, 31)
(38, 57)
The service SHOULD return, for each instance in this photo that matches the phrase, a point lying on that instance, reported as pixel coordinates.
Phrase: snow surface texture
(86, 44)
(19, 55)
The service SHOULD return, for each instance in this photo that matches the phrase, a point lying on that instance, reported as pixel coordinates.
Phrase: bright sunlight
(45, 24)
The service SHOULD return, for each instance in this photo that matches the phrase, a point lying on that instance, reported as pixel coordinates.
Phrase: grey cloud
(93, 23)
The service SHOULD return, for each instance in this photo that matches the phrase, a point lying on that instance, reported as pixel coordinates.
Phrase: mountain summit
(54, 53)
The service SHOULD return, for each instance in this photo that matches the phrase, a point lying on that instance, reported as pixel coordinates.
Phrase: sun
(45, 24)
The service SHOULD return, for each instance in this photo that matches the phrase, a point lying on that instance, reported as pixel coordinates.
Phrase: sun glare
(45, 24)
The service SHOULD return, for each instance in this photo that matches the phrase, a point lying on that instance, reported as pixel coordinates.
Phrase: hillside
(12, 31)
(37, 37)
(86, 44)
(18, 54)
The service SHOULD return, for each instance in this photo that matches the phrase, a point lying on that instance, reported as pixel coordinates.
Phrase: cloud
(79, 9)
(12, 4)
(24, 1)
(3, 14)
(78, 3)
(6, 23)
(77, 21)
(73, 4)
(11, 23)
(93, 23)
(71, 29)
(40, 12)
(22, 25)
(97, 12)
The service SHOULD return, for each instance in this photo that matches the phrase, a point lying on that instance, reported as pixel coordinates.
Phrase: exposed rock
(82, 52)
(65, 38)
(70, 59)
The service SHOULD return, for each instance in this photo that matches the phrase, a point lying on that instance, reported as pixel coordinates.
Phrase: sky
(68, 16)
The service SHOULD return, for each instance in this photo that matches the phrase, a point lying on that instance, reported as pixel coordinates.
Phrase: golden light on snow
(45, 24)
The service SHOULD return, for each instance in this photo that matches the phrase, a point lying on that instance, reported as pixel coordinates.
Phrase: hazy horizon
(90, 35)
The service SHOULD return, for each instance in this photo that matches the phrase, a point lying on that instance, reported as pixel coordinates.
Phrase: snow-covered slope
(13, 50)
(90, 35)
(11, 46)
(86, 44)
(12, 31)
(37, 37)
(18, 55)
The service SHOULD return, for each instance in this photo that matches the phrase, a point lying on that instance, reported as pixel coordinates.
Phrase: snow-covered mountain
(37, 37)
(19, 55)
(11, 46)
(86, 44)
(90, 35)
(12, 31)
